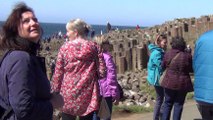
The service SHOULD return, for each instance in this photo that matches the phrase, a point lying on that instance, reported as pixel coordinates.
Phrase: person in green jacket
(154, 71)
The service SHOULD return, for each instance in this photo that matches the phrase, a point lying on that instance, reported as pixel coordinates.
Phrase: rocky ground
(134, 84)
(190, 112)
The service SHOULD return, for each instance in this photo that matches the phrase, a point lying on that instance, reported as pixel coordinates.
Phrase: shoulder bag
(103, 112)
(164, 73)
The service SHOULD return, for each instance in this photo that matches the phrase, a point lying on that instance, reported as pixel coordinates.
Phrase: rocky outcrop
(135, 87)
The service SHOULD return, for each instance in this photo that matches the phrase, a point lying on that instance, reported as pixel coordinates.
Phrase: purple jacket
(177, 76)
(109, 85)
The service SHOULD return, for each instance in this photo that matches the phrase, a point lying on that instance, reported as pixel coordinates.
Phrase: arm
(22, 86)
(100, 63)
(190, 63)
(163, 63)
(59, 72)
(156, 59)
(112, 78)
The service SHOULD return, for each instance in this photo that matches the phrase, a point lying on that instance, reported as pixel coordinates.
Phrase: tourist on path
(154, 71)
(79, 65)
(24, 86)
(108, 85)
(177, 82)
(203, 72)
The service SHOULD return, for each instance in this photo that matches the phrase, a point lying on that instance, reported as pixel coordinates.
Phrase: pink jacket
(109, 84)
(76, 76)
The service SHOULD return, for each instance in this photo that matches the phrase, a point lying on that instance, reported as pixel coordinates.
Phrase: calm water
(52, 28)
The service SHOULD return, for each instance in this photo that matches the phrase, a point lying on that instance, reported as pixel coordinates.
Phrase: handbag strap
(172, 60)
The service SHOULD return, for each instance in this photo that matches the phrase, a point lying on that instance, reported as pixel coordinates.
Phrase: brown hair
(178, 43)
(10, 27)
(160, 38)
(101, 40)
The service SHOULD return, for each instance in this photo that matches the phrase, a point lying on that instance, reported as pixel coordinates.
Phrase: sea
(50, 29)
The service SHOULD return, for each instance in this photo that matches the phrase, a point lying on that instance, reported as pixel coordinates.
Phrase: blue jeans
(174, 98)
(109, 103)
(159, 101)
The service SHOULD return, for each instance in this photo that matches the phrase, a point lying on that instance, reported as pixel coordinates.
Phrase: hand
(148, 42)
(116, 102)
(57, 100)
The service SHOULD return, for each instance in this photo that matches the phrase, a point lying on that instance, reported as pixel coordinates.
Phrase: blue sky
(117, 12)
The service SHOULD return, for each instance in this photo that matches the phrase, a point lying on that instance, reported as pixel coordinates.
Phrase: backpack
(4, 112)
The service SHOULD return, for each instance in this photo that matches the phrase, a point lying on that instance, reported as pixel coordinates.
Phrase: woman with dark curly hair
(177, 82)
(24, 87)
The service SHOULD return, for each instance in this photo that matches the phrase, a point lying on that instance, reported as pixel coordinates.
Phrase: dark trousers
(109, 103)
(206, 111)
(71, 117)
(159, 101)
(174, 98)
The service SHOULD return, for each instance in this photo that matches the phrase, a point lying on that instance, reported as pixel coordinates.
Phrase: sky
(145, 13)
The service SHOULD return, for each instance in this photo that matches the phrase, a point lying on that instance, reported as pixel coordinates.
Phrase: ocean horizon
(50, 29)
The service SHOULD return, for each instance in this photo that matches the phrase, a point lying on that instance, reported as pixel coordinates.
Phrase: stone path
(190, 112)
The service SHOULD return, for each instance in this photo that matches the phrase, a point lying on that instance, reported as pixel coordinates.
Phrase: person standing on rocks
(108, 27)
(92, 33)
(177, 82)
(188, 49)
(154, 71)
(203, 72)
(108, 85)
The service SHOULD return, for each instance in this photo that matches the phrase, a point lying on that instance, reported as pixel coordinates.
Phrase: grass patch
(146, 88)
(190, 96)
(132, 109)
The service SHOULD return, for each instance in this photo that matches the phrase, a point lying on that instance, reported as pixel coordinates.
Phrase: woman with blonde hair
(79, 65)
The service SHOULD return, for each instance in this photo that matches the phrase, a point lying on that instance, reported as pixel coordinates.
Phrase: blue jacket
(154, 64)
(203, 68)
(24, 86)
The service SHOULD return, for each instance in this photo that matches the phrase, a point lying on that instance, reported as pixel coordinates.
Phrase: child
(108, 85)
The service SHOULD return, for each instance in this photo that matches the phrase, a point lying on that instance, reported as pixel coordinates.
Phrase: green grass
(145, 88)
(132, 109)
(190, 96)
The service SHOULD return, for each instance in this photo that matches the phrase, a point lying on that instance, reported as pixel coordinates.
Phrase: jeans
(109, 103)
(174, 98)
(71, 117)
(206, 111)
(159, 101)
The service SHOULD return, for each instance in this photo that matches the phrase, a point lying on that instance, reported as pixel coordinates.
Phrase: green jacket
(154, 64)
